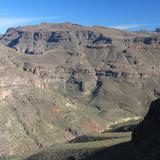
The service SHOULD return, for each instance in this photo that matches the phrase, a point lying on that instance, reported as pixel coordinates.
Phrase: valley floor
(90, 149)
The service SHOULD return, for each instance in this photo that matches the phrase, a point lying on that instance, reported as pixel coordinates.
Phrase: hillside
(145, 143)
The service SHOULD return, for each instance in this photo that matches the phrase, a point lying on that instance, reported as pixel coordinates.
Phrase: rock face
(146, 136)
(108, 52)
(149, 128)
(64, 80)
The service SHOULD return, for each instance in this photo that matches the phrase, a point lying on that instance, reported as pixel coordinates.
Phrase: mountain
(60, 81)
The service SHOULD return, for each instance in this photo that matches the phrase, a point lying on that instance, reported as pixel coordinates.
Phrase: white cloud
(18, 21)
(7, 22)
(128, 26)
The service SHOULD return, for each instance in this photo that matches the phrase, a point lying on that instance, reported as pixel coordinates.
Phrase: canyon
(61, 81)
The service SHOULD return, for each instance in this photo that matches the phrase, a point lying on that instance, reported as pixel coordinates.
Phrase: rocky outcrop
(38, 41)
(146, 135)
(149, 128)
(148, 40)
(4, 94)
(89, 42)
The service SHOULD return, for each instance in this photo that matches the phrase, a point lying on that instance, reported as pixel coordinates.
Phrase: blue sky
(123, 14)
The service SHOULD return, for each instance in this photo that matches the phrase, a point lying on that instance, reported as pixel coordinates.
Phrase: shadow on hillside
(85, 138)
(117, 152)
